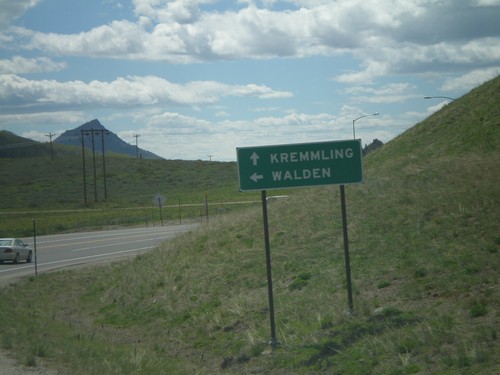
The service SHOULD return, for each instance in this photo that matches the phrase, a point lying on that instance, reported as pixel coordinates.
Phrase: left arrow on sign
(256, 177)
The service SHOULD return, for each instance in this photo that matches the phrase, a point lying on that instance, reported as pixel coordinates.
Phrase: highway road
(64, 250)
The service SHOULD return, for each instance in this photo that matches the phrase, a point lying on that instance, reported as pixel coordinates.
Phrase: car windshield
(5, 242)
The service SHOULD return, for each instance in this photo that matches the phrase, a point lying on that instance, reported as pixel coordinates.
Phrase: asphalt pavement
(67, 250)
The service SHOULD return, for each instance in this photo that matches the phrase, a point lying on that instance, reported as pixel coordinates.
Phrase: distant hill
(14, 146)
(112, 143)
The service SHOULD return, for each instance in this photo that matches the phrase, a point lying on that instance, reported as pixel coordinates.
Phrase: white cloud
(180, 11)
(133, 90)
(487, 3)
(22, 65)
(118, 39)
(388, 36)
(470, 80)
(372, 69)
(178, 136)
(222, 114)
(13, 9)
(390, 93)
(43, 118)
(35, 135)
(438, 106)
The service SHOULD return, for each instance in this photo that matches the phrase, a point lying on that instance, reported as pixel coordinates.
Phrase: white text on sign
(297, 157)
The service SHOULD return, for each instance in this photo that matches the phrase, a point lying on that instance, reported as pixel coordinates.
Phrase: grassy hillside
(424, 235)
(15, 147)
(37, 182)
(34, 184)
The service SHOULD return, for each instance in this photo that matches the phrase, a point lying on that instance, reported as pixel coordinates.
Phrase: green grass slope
(34, 185)
(13, 146)
(37, 182)
(424, 237)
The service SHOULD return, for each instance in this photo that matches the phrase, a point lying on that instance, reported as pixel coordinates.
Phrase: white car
(14, 249)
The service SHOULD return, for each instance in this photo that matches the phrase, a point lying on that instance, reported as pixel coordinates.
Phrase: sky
(195, 79)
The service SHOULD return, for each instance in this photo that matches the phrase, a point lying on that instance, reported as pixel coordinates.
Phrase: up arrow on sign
(254, 158)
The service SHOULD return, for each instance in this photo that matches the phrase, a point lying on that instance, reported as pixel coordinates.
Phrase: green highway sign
(299, 165)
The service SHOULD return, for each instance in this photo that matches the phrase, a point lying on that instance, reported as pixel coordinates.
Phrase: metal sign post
(34, 247)
(346, 250)
(205, 205)
(159, 200)
(161, 213)
(273, 340)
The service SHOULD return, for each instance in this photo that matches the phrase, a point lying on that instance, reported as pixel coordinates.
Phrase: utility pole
(137, 145)
(50, 135)
(104, 164)
(82, 135)
(93, 159)
(210, 157)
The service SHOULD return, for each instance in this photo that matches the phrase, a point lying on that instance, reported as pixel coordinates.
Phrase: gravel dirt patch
(9, 366)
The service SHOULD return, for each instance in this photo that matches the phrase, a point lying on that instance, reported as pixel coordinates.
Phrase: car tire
(28, 259)
(16, 259)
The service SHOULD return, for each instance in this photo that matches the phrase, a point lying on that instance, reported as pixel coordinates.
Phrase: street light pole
(345, 232)
(356, 119)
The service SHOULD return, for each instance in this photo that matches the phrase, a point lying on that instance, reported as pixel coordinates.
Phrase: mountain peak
(102, 139)
(94, 124)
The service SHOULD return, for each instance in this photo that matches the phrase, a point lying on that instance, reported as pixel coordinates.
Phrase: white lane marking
(117, 233)
(79, 258)
(115, 244)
